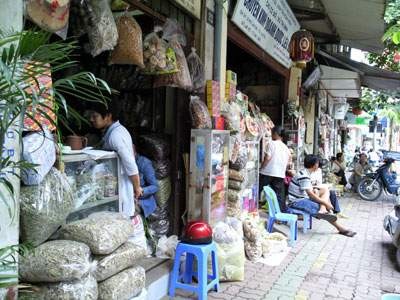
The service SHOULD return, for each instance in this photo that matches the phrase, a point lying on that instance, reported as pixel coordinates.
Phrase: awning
(371, 77)
(340, 83)
(356, 23)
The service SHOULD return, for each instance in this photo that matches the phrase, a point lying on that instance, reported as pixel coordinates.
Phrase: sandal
(327, 217)
(348, 233)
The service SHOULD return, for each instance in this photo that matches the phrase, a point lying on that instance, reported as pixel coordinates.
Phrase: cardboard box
(213, 97)
(231, 77)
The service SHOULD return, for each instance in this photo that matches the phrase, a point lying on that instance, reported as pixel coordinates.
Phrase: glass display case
(94, 181)
(208, 175)
(250, 191)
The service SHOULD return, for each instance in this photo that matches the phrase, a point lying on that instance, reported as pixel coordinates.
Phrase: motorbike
(391, 224)
(372, 185)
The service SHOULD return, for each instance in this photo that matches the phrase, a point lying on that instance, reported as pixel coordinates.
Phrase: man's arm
(268, 156)
(135, 179)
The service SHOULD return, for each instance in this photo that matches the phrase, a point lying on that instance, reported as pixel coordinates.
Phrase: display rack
(250, 191)
(208, 175)
(295, 136)
(95, 182)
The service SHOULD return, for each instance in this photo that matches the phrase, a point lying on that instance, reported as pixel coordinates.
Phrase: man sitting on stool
(303, 197)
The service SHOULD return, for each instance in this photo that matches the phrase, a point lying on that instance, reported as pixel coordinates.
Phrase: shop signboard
(270, 24)
(192, 6)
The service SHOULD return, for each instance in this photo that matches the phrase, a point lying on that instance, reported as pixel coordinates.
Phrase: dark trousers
(277, 184)
(334, 201)
(342, 175)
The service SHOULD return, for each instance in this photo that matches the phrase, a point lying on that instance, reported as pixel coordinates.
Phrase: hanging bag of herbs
(158, 57)
(129, 49)
(50, 15)
(175, 36)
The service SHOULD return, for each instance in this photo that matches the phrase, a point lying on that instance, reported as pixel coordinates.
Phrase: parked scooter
(372, 185)
(391, 224)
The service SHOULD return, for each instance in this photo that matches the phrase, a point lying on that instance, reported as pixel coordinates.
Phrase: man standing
(273, 168)
(117, 138)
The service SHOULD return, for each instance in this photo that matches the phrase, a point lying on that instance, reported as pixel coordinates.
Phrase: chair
(184, 279)
(276, 214)
(307, 219)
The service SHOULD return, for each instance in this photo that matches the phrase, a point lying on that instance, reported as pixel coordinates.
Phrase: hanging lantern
(301, 48)
(356, 111)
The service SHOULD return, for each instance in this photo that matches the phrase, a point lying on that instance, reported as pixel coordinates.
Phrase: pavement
(326, 265)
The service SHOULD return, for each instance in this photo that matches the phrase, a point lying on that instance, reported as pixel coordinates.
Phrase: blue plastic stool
(184, 280)
(275, 213)
(307, 219)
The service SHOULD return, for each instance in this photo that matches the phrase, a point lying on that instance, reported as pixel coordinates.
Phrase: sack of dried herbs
(56, 261)
(45, 207)
(122, 258)
(103, 232)
(85, 288)
(123, 286)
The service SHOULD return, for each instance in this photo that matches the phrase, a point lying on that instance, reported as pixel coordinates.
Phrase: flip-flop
(327, 217)
(348, 233)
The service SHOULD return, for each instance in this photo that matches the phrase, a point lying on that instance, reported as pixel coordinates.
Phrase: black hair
(104, 109)
(339, 155)
(278, 130)
(310, 161)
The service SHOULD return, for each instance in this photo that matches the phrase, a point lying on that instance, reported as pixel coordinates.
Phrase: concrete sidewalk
(326, 265)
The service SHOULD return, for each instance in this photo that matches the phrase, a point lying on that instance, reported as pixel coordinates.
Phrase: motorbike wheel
(369, 190)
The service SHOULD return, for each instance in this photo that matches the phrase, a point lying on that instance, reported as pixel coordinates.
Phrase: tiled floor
(326, 265)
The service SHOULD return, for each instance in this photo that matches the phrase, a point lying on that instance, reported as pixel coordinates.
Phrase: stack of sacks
(259, 243)
(107, 234)
(228, 237)
(236, 183)
(61, 270)
(113, 274)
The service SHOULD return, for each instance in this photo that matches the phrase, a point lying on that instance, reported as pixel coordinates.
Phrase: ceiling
(355, 23)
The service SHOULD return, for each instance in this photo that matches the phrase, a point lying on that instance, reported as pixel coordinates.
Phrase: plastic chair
(307, 219)
(183, 280)
(276, 214)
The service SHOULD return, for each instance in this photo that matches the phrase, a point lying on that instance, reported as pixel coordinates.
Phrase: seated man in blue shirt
(148, 182)
(303, 197)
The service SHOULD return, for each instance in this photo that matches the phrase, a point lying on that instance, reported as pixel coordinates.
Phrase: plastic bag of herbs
(45, 207)
(124, 285)
(85, 288)
(56, 261)
(103, 232)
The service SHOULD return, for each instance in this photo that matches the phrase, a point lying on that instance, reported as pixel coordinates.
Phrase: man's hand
(138, 192)
(328, 206)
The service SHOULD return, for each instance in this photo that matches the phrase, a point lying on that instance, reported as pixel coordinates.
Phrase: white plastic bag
(230, 249)
(39, 149)
(166, 246)
(138, 237)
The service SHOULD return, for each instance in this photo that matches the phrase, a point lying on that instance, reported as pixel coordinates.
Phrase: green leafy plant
(24, 57)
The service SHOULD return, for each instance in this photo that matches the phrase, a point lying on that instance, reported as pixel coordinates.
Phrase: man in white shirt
(273, 168)
(117, 138)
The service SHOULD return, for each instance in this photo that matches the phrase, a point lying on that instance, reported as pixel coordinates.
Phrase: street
(326, 265)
